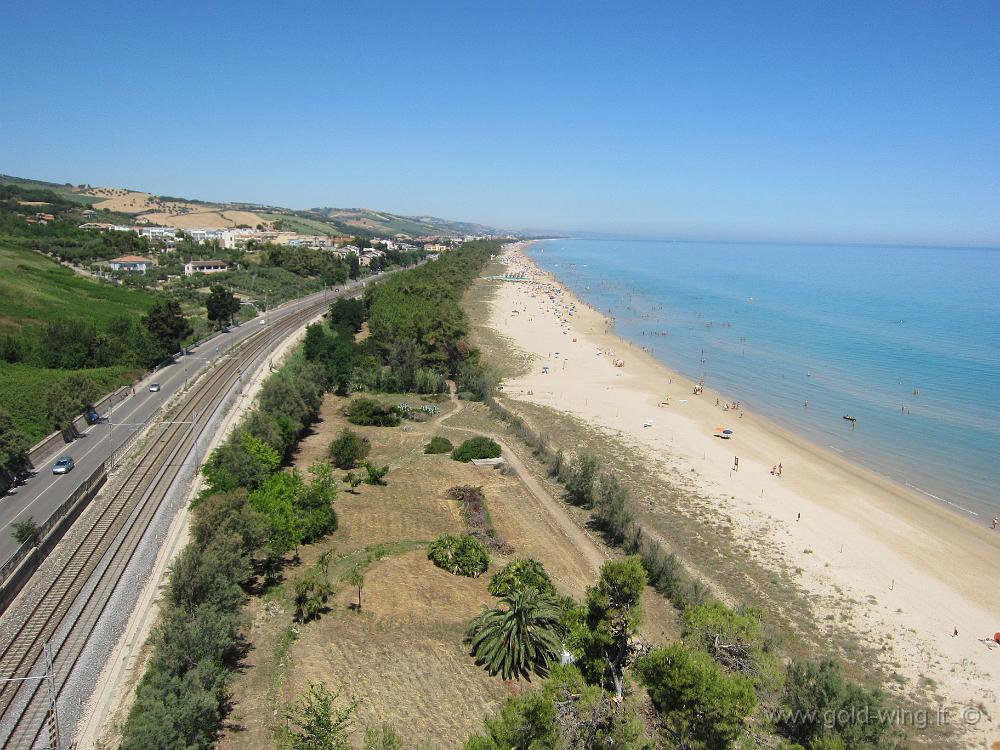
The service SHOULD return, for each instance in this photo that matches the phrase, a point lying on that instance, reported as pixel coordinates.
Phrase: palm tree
(520, 639)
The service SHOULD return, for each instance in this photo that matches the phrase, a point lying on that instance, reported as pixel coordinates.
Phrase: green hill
(35, 289)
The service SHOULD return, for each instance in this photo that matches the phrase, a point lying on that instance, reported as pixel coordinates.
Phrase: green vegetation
(14, 445)
(459, 555)
(521, 574)
(519, 639)
(247, 519)
(349, 449)
(438, 444)
(366, 411)
(699, 705)
(26, 391)
(221, 305)
(477, 447)
(313, 723)
(26, 530)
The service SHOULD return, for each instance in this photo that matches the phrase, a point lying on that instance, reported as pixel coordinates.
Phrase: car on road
(63, 466)
(263, 322)
(154, 387)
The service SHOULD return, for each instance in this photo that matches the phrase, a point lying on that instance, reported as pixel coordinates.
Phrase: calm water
(852, 330)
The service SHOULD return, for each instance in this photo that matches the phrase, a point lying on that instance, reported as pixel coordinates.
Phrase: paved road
(46, 491)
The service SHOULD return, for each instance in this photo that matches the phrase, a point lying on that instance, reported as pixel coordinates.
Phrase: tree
(168, 325)
(613, 611)
(221, 305)
(519, 639)
(353, 480)
(13, 445)
(312, 722)
(367, 411)
(26, 531)
(821, 707)
(580, 482)
(348, 449)
(700, 705)
(67, 399)
(353, 265)
(356, 578)
(347, 311)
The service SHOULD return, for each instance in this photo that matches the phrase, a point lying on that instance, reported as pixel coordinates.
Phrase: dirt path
(578, 537)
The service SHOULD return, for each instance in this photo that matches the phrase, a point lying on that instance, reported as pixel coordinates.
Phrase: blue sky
(833, 121)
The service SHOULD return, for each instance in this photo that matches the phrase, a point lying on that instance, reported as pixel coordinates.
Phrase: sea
(904, 339)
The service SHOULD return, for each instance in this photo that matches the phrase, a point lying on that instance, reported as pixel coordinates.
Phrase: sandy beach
(915, 570)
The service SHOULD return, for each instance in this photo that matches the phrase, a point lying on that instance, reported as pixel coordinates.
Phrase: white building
(131, 263)
(205, 266)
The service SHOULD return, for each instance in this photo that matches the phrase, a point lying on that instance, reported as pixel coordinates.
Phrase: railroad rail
(65, 615)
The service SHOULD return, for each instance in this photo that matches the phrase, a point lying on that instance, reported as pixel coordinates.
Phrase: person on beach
(996, 520)
(779, 469)
(774, 470)
(736, 463)
(798, 516)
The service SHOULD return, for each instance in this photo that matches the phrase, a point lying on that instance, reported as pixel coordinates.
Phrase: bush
(366, 411)
(477, 447)
(459, 555)
(521, 574)
(580, 482)
(348, 449)
(438, 444)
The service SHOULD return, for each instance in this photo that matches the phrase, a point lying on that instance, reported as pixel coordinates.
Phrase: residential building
(205, 266)
(131, 263)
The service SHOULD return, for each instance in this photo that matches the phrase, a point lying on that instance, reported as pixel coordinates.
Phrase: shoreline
(929, 568)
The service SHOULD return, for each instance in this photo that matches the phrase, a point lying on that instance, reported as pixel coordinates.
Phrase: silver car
(63, 466)
(154, 387)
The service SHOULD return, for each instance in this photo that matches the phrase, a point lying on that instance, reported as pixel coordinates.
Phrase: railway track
(66, 614)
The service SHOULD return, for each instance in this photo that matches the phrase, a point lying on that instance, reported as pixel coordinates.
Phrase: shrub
(366, 411)
(459, 555)
(580, 482)
(376, 475)
(477, 517)
(438, 444)
(477, 447)
(521, 574)
(348, 449)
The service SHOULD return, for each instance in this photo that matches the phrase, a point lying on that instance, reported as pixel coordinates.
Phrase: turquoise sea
(905, 339)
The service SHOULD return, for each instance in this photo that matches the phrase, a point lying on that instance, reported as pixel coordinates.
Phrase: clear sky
(832, 121)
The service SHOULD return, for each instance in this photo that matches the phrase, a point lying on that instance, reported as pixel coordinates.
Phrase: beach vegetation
(459, 555)
(348, 449)
(477, 447)
(698, 704)
(580, 480)
(822, 708)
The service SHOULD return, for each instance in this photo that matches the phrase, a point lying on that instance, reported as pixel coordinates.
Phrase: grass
(25, 387)
(301, 224)
(35, 289)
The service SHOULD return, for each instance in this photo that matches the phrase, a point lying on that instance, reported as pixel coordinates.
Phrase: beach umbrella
(727, 432)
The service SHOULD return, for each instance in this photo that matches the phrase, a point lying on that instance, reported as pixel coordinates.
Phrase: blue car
(63, 466)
